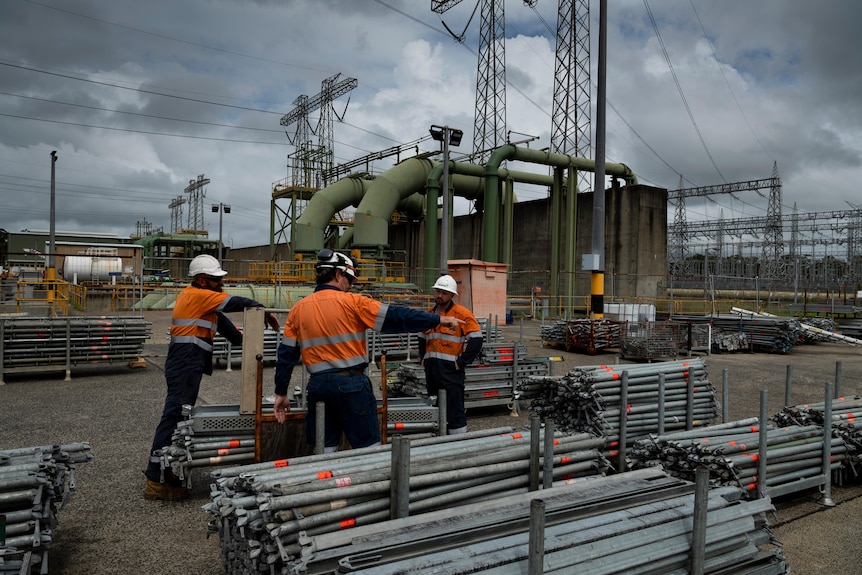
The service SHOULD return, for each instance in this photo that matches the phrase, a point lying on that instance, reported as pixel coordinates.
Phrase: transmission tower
(678, 251)
(570, 115)
(176, 207)
(489, 124)
(196, 191)
(773, 245)
(310, 162)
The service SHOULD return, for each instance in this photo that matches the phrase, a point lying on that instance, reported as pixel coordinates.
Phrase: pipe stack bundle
(210, 435)
(587, 334)
(223, 350)
(823, 324)
(219, 435)
(846, 421)
(488, 381)
(35, 485)
(641, 522)
(45, 344)
(588, 399)
(770, 334)
(264, 512)
(731, 452)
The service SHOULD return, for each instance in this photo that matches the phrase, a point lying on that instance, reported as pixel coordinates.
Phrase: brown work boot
(164, 492)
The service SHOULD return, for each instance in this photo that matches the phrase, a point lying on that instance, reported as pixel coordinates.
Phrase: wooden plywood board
(252, 345)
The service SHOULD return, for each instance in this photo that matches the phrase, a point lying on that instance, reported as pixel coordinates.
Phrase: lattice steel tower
(571, 112)
(310, 163)
(176, 207)
(773, 245)
(196, 191)
(489, 124)
(678, 251)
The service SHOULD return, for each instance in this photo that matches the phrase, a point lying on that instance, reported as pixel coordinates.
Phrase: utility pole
(51, 274)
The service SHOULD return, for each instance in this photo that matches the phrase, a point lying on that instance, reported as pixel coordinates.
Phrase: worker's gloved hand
(271, 321)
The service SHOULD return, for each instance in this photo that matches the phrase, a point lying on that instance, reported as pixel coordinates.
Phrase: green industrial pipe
(492, 200)
(413, 206)
(311, 224)
(465, 188)
(511, 152)
(371, 223)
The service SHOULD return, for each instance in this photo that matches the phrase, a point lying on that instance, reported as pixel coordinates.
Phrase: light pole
(221, 209)
(51, 274)
(449, 136)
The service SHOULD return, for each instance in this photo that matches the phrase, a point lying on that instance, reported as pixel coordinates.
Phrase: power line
(680, 90)
(149, 133)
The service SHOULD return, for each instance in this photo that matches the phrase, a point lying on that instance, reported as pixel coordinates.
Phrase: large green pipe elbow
(323, 205)
(371, 223)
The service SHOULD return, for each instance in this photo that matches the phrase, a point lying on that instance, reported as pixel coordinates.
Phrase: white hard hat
(446, 283)
(329, 259)
(206, 264)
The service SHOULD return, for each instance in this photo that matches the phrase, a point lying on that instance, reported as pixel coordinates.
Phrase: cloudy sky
(139, 98)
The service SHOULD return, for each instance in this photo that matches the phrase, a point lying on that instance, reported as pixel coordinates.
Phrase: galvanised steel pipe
(568, 466)
(357, 466)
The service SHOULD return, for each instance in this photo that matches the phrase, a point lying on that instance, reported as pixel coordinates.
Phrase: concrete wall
(635, 239)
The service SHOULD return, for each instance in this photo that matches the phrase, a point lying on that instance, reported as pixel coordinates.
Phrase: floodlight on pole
(448, 136)
(221, 209)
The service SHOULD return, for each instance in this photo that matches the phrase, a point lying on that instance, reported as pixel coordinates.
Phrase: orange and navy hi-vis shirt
(326, 330)
(194, 319)
(450, 343)
(329, 328)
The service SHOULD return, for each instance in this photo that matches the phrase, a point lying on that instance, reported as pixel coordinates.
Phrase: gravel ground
(108, 528)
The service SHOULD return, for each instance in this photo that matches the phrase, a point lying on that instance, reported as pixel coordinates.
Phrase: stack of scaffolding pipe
(262, 511)
(769, 334)
(219, 435)
(731, 452)
(36, 483)
(846, 421)
(491, 380)
(588, 399)
(483, 383)
(586, 334)
(636, 522)
(223, 350)
(30, 344)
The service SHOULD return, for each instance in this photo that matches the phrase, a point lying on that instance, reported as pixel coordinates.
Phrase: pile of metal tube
(657, 397)
(635, 523)
(846, 422)
(764, 333)
(35, 485)
(209, 435)
(586, 334)
(491, 380)
(734, 451)
(46, 344)
(264, 513)
(219, 435)
(223, 350)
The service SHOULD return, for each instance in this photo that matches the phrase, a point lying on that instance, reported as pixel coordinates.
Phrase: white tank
(103, 268)
(87, 268)
(77, 268)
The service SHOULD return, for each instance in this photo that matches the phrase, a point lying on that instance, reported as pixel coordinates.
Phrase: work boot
(156, 491)
(168, 477)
